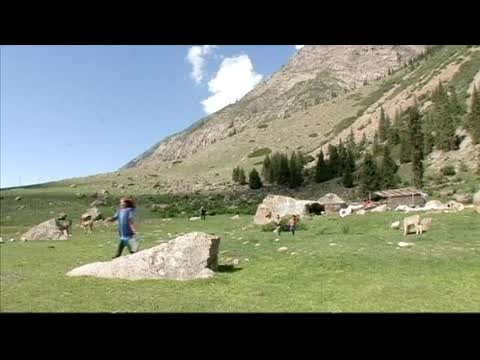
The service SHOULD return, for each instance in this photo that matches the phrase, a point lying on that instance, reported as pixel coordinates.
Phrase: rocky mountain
(320, 96)
(315, 74)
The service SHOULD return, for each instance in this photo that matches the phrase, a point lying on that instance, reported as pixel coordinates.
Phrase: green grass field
(339, 265)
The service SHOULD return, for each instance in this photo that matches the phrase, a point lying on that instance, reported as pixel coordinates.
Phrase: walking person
(126, 228)
(203, 213)
(278, 225)
(292, 224)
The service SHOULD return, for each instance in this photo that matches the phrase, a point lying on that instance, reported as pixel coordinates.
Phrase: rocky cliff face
(314, 75)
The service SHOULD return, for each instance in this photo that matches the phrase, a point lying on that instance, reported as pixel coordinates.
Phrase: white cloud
(196, 56)
(234, 79)
(298, 47)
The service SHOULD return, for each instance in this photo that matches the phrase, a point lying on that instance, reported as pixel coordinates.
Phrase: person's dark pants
(203, 217)
(292, 229)
(121, 245)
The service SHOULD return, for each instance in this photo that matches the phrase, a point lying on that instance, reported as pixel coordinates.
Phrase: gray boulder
(187, 257)
(47, 230)
(93, 213)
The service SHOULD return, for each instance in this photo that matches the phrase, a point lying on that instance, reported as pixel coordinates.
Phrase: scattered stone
(360, 212)
(193, 256)
(73, 186)
(47, 230)
(1, 240)
(50, 203)
(282, 249)
(477, 209)
(158, 206)
(12, 240)
(277, 240)
(235, 262)
(236, 217)
(332, 244)
(245, 242)
(463, 198)
(293, 253)
(395, 225)
(476, 198)
(455, 206)
(389, 243)
(18, 198)
(98, 202)
(80, 195)
(93, 213)
(195, 218)
(257, 244)
(20, 207)
(404, 244)
(246, 259)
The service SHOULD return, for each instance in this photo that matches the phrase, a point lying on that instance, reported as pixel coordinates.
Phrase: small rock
(395, 225)
(257, 244)
(246, 259)
(12, 240)
(404, 244)
(245, 242)
(235, 262)
(195, 218)
(50, 203)
(293, 253)
(73, 186)
(389, 243)
(18, 198)
(236, 217)
(1, 240)
(332, 244)
(277, 240)
(282, 249)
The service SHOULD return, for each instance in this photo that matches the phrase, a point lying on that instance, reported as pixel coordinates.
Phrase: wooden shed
(405, 196)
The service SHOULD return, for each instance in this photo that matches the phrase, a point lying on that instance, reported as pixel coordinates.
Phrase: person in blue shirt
(126, 228)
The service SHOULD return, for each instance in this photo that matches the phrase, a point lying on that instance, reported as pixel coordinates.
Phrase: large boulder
(47, 230)
(455, 206)
(380, 208)
(187, 257)
(435, 205)
(463, 198)
(93, 213)
(476, 198)
(274, 205)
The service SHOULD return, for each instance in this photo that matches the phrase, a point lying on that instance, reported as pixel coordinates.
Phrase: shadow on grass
(228, 268)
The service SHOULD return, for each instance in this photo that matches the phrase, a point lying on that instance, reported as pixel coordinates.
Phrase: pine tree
(267, 170)
(351, 146)
(443, 119)
(416, 138)
(254, 181)
(382, 126)
(322, 170)
(362, 145)
(275, 167)
(369, 175)
(342, 157)
(242, 180)
(349, 168)
(235, 174)
(296, 174)
(394, 130)
(388, 170)
(473, 117)
(376, 147)
(283, 170)
(333, 160)
(428, 131)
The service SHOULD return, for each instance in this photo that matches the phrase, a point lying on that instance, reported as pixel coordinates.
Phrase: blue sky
(69, 111)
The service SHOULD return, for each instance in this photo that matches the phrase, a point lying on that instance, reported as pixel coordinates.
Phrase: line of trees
(281, 170)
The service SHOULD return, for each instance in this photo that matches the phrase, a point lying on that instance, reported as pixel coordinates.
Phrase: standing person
(203, 213)
(126, 227)
(292, 224)
(278, 225)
